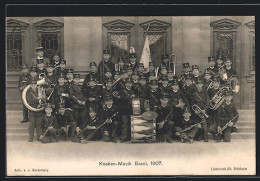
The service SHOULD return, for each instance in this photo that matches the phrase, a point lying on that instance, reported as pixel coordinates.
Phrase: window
(118, 37)
(14, 42)
(50, 36)
(157, 38)
(224, 42)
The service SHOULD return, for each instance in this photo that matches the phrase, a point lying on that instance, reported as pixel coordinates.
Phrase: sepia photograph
(130, 95)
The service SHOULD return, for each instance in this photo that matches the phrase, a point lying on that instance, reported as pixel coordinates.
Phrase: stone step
(241, 124)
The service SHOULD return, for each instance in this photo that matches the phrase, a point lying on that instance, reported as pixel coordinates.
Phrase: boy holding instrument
(227, 116)
(186, 128)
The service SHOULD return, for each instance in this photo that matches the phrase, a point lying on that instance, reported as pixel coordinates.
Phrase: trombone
(172, 61)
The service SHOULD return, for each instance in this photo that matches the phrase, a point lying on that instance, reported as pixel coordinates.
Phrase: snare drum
(142, 131)
(136, 106)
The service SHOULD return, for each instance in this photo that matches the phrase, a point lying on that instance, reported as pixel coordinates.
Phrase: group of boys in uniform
(100, 107)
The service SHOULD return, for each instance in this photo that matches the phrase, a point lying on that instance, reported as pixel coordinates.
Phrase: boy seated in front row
(110, 116)
(227, 116)
(49, 125)
(66, 122)
(186, 129)
(89, 126)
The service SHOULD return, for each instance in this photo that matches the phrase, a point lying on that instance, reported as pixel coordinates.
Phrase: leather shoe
(24, 121)
(114, 141)
(169, 140)
(206, 140)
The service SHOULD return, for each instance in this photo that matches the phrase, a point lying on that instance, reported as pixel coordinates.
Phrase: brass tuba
(39, 83)
(218, 98)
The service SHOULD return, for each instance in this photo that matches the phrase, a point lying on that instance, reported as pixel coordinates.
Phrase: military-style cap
(151, 64)
(216, 79)
(200, 80)
(61, 75)
(135, 73)
(208, 72)
(170, 70)
(91, 79)
(56, 54)
(76, 75)
(108, 97)
(48, 105)
(175, 82)
(120, 59)
(70, 70)
(109, 80)
(33, 81)
(106, 51)
(49, 65)
(165, 56)
(186, 110)
(143, 77)
(227, 59)
(186, 65)
(132, 55)
(38, 61)
(165, 78)
(92, 64)
(33, 69)
(164, 95)
(61, 105)
(63, 62)
(211, 59)
(154, 82)
(195, 67)
(163, 67)
(220, 57)
(140, 65)
(151, 74)
(39, 49)
(128, 80)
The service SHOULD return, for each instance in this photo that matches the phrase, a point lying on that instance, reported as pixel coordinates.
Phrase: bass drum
(142, 131)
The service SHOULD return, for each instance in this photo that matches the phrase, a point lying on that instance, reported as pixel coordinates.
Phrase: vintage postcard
(130, 95)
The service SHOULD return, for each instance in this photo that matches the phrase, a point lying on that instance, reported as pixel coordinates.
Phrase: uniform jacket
(163, 112)
(184, 124)
(225, 113)
(31, 97)
(65, 119)
(201, 99)
(23, 80)
(96, 121)
(46, 121)
(76, 93)
(103, 67)
(176, 96)
(95, 76)
(58, 90)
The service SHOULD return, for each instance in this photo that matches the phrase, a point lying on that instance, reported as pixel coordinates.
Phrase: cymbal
(149, 115)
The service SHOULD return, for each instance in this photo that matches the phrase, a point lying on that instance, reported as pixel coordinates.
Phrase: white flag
(146, 57)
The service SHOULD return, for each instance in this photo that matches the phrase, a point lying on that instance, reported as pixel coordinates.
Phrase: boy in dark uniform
(105, 65)
(164, 121)
(40, 55)
(33, 74)
(165, 62)
(66, 122)
(153, 95)
(133, 62)
(195, 73)
(185, 123)
(69, 77)
(162, 72)
(61, 92)
(186, 71)
(208, 79)
(34, 117)
(135, 78)
(110, 129)
(93, 73)
(170, 76)
(226, 112)
(90, 124)
(62, 69)
(23, 82)
(41, 71)
(126, 96)
(56, 60)
(49, 125)
(150, 77)
(201, 99)
(78, 102)
(164, 85)
(50, 77)
(188, 89)
(140, 69)
(177, 100)
(229, 70)
(219, 64)
(141, 92)
(120, 65)
(116, 75)
(151, 69)
(212, 66)
(93, 93)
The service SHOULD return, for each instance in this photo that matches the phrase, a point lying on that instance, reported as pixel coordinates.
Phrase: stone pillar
(191, 41)
(82, 41)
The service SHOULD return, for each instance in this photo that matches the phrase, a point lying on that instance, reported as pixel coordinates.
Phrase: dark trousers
(112, 129)
(188, 134)
(165, 132)
(79, 115)
(49, 136)
(226, 135)
(25, 113)
(34, 121)
(125, 126)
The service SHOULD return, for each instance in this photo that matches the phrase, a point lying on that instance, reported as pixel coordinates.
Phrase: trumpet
(198, 111)
(172, 62)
